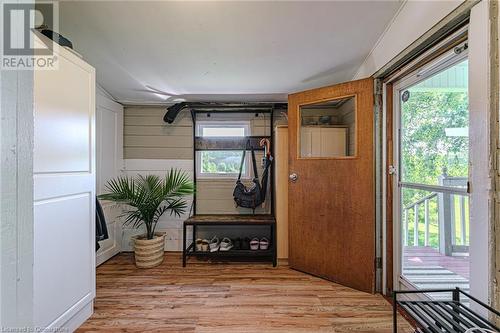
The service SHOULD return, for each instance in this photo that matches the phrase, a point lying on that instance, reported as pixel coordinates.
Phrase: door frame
(387, 80)
(485, 79)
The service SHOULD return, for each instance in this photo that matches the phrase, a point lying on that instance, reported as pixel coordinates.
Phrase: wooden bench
(196, 221)
(442, 316)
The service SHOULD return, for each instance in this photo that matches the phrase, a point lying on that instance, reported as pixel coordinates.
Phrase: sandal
(204, 245)
(254, 244)
(199, 244)
(264, 243)
(226, 244)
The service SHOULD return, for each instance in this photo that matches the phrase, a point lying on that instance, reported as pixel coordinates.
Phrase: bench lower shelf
(230, 221)
(233, 253)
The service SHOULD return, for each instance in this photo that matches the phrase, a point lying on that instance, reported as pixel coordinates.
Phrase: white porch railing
(448, 209)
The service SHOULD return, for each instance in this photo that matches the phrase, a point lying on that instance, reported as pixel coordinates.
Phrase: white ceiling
(233, 51)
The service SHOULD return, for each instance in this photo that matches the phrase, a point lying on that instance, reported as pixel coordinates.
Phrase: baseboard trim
(74, 317)
(282, 261)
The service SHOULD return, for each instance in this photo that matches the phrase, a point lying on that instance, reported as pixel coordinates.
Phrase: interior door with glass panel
(331, 191)
(431, 199)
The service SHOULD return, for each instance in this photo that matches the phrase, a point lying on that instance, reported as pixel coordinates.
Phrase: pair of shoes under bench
(256, 244)
(225, 245)
(202, 245)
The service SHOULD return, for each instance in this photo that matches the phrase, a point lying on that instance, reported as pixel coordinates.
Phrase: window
(221, 163)
(328, 129)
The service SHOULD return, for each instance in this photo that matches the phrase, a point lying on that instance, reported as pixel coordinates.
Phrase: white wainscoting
(170, 224)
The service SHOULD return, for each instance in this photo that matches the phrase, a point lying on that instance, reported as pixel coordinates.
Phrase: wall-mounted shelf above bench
(207, 221)
(229, 143)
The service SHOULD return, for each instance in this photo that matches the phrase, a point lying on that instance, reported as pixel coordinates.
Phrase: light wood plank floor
(228, 298)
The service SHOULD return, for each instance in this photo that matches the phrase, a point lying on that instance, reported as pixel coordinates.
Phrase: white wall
(412, 20)
(16, 194)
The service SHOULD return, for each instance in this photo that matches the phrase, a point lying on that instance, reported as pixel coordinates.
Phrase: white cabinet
(64, 193)
(318, 141)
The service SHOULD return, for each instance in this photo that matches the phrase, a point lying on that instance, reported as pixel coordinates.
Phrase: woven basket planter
(149, 252)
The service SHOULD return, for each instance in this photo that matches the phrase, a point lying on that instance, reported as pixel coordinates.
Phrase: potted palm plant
(146, 199)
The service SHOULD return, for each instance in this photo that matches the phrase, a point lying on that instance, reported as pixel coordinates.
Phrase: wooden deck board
(426, 256)
(229, 297)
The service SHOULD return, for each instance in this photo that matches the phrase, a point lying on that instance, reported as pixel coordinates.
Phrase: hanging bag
(248, 197)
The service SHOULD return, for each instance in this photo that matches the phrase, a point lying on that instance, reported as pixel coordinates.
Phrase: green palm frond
(148, 197)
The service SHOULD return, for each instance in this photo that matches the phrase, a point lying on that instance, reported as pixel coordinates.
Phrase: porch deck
(427, 268)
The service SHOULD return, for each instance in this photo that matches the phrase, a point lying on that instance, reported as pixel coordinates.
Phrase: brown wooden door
(332, 200)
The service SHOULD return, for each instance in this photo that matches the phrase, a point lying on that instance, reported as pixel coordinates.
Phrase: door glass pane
(328, 129)
(435, 239)
(434, 150)
(435, 129)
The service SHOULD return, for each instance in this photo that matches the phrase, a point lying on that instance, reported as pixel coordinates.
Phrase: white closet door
(64, 193)
(109, 138)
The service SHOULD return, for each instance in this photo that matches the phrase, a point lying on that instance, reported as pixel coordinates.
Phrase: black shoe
(245, 243)
(237, 244)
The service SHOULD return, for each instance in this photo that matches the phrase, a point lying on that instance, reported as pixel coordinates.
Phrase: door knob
(293, 177)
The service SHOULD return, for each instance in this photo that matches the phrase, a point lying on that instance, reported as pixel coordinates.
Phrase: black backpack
(254, 196)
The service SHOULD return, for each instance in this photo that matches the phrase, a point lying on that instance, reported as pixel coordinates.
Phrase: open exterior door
(331, 190)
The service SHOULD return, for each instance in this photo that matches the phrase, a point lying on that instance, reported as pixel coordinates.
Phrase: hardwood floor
(228, 297)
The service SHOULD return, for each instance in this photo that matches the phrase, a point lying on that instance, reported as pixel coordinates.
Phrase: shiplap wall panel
(158, 130)
(161, 153)
(146, 136)
(147, 120)
(349, 118)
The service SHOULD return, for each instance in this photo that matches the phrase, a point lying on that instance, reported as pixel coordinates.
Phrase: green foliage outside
(426, 151)
(221, 161)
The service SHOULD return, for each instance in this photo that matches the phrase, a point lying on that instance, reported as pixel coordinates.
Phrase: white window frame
(200, 125)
